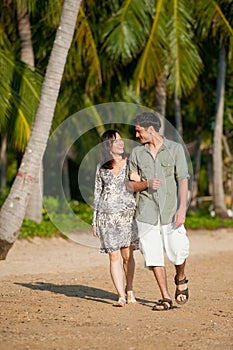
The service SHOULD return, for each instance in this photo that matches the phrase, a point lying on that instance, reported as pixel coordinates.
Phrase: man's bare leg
(180, 275)
(161, 278)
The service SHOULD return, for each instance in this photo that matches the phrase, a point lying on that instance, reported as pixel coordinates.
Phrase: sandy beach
(57, 294)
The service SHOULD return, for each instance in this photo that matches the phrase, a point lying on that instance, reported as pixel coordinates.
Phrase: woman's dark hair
(107, 140)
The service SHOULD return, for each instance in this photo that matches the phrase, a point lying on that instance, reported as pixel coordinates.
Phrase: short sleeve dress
(114, 211)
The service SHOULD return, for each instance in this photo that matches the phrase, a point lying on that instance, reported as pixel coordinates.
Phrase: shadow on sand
(78, 291)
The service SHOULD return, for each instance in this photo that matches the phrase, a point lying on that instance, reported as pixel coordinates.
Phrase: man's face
(143, 134)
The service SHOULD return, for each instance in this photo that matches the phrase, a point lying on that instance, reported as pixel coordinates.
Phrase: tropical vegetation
(174, 57)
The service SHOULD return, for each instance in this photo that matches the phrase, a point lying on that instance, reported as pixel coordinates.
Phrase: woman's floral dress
(114, 211)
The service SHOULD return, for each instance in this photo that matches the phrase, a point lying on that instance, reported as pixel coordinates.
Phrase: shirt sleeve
(97, 193)
(133, 163)
(181, 164)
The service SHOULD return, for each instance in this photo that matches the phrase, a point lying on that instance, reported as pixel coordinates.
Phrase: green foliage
(19, 97)
(83, 211)
(118, 50)
(203, 182)
(200, 219)
(121, 41)
(203, 220)
(31, 229)
(184, 61)
(46, 228)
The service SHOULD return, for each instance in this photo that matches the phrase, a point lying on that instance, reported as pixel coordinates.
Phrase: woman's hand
(94, 231)
(133, 176)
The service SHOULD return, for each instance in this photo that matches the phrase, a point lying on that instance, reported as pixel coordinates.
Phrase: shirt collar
(164, 145)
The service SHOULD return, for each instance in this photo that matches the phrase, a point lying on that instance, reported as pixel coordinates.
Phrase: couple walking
(157, 171)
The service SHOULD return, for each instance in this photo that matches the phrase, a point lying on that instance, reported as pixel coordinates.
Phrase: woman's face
(117, 145)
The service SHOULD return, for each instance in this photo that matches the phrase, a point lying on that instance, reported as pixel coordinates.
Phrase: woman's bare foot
(120, 302)
(130, 297)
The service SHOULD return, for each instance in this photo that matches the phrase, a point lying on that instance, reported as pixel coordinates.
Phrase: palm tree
(217, 23)
(167, 54)
(13, 209)
(19, 98)
(218, 191)
(34, 208)
(19, 86)
(163, 45)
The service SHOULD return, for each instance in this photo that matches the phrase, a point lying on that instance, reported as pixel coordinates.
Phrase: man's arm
(183, 198)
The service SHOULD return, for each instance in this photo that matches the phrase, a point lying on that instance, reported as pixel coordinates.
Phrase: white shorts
(155, 239)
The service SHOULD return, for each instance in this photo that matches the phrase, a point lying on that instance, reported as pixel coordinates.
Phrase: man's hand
(180, 217)
(154, 184)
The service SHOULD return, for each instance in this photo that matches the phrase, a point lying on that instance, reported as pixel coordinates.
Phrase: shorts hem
(150, 266)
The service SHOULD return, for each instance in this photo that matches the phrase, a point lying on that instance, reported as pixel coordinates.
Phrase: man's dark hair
(147, 119)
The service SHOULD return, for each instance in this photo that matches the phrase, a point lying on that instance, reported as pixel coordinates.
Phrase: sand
(57, 294)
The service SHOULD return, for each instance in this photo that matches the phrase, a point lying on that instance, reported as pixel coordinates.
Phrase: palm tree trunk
(14, 208)
(178, 118)
(161, 95)
(3, 161)
(24, 28)
(34, 208)
(218, 192)
(161, 99)
(197, 166)
(210, 171)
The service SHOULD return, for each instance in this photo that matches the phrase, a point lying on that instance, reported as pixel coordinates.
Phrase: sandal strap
(184, 292)
(162, 302)
(165, 300)
(177, 282)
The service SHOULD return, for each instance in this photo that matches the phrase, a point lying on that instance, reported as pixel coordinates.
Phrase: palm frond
(19, 133)
(151, 61)
(184, 61)
(125, 33)
(20, 87)
(211, 17)
(83, 56)
(222, 22)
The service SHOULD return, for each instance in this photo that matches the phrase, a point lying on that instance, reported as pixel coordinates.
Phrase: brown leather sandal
(163, 303)
(178, 292)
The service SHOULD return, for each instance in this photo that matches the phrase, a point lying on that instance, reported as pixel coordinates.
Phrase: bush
(203, 220)
(30, 229)
(59, 212)
(200, 219)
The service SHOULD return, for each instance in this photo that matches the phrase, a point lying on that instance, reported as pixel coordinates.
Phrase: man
(161, 205)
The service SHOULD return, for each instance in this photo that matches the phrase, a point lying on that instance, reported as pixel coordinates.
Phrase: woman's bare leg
(117, 273)
(129, 268)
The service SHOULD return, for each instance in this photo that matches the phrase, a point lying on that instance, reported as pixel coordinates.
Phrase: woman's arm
(97, 194)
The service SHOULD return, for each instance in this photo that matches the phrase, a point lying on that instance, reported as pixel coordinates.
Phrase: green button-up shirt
(170, 165)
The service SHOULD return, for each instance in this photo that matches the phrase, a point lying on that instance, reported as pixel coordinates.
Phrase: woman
(113, 219)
